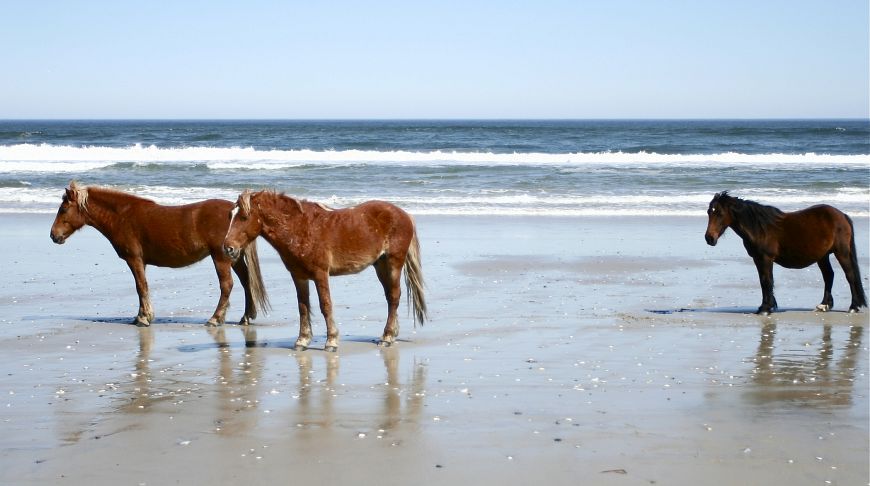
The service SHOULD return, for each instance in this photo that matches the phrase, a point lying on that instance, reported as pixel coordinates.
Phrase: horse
(316, 242)
(791, 239)
(143, 233)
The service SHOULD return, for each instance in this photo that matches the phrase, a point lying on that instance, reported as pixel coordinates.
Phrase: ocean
(449, 167)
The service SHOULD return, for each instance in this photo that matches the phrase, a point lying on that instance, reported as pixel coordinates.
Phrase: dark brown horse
(315, 242)
(793, 240)
(146, 233)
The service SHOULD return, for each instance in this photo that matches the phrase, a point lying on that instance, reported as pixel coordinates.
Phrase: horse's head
(245, 225)
(71, 213)
(719, 217)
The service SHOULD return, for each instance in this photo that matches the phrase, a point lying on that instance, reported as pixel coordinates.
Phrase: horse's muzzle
(232, 252)
(710, 239)
(59, 239)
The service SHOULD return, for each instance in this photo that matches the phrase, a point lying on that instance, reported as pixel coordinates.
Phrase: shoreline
(568, 350)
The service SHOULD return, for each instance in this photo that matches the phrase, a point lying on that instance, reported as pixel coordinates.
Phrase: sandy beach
(560, 351)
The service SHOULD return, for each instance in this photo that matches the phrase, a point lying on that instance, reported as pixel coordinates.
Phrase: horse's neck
(104, 209)
(741, 230)
(753, 238)
(283, 215)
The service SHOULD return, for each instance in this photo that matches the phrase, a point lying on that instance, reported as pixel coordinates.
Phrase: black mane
(754, 218)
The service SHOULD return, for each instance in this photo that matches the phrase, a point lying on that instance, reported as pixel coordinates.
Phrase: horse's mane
(83, 194)
(245, 200)
(755, 218)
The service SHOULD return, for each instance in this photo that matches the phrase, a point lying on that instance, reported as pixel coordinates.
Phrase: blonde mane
(81, 194)
(245, 200)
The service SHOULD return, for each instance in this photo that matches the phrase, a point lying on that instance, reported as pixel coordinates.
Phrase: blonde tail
(255, 279)
(414, 281)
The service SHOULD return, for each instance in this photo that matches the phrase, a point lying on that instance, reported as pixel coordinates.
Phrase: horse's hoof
(763, 313)
(212, 323)
(299, 347)
(853, 310)
(385, 344)
(244, 321)
(823, 308)
(331, 349)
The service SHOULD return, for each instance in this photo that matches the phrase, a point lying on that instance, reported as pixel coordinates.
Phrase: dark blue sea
(508, 167)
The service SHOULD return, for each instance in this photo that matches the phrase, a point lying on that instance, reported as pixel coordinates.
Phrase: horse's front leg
(146, 312)
(241, 269)
(225, 280)
(828, 277)
(321, 282)
(764, 265)
(303, 301)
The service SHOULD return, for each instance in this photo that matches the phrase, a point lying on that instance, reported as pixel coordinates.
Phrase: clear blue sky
(435, 59)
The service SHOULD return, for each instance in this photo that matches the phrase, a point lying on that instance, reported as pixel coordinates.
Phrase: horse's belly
(347, 269)
(790, 261)
(176, 257)
(350, 266)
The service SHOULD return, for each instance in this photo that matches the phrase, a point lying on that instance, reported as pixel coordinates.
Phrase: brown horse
(793, 240)
(315, 242)
(146, 233)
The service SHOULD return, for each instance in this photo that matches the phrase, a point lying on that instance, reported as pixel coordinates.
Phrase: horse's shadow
(251, 341)
(127, 320)
(247, 343)
(732, 310)
(370, 339)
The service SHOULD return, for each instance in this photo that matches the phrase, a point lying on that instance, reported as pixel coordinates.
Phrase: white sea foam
(54, 158)
(852, 200)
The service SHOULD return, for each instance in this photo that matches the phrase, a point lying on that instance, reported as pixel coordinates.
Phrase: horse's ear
(70, 194)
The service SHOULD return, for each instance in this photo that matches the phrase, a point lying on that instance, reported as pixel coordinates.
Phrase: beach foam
(50, 157)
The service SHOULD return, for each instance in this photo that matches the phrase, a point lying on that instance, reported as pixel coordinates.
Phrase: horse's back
(820, 210)
(807, 235)
(387, 217)
(355, 237)
(176, 236)
(819, 218)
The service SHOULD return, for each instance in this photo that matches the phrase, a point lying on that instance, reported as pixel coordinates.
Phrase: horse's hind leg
(389, 270)
(852, 276)
(225, 279)
(146, 312)
(828, 276)
(321, 282)
(241, 269)
(302, 299)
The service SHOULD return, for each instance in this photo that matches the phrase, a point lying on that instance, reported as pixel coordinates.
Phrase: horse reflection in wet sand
(808, 374)
(315, 242)
(146, 233)
(793, 240)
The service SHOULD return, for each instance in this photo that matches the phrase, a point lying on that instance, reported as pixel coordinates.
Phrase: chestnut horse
(146, 233)
(793, 240)
(315, 242)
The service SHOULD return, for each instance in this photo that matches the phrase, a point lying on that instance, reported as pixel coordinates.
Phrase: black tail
(860, 298)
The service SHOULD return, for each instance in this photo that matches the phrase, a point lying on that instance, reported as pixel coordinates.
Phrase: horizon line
(494, 119)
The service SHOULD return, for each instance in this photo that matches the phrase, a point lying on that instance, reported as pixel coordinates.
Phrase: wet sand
(560, 351)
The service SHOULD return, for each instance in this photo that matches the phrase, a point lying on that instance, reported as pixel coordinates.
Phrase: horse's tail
(255, 279)
(414, 281)
(860, 297)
